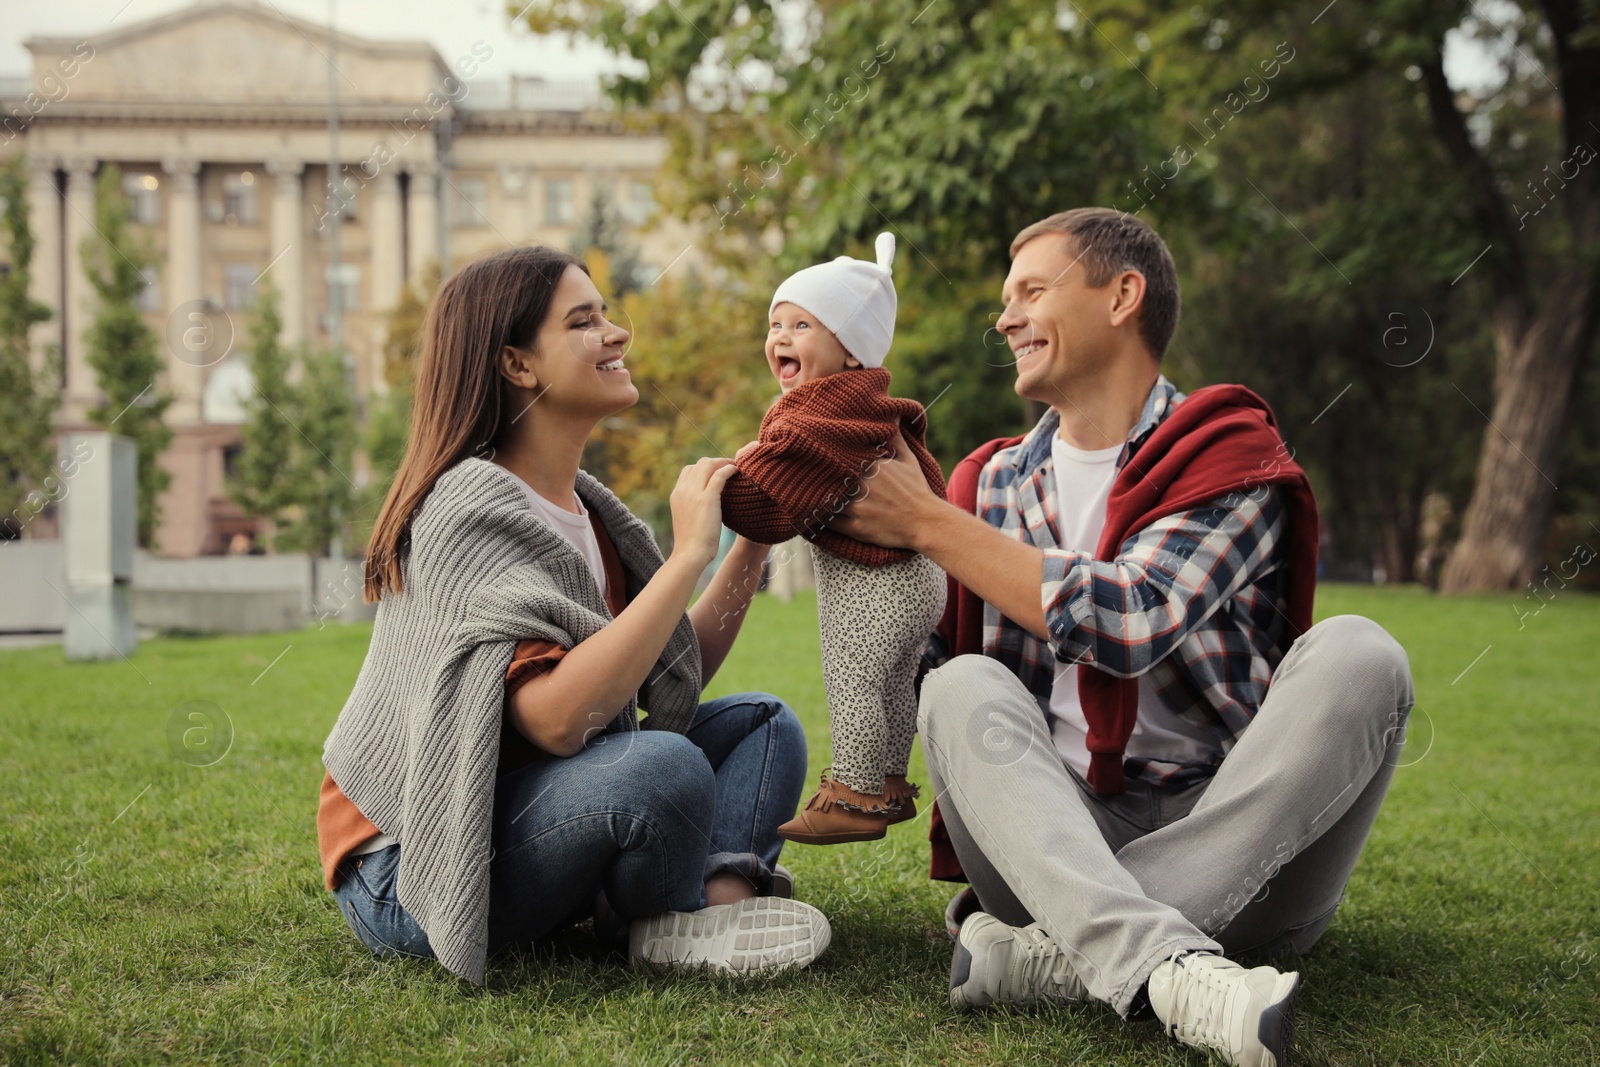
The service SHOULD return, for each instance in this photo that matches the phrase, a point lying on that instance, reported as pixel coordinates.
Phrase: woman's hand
(697, 508)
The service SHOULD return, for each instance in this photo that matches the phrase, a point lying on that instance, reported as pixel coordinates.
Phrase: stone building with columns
(218, 117)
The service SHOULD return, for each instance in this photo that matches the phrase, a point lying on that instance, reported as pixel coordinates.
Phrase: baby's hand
(743, 449)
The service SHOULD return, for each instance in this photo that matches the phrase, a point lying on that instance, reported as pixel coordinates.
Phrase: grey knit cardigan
(417, 744)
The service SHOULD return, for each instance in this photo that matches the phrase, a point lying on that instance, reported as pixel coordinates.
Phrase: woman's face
(578, 353)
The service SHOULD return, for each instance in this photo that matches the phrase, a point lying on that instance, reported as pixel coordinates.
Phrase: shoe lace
(1038, 963)
(1201, 1006)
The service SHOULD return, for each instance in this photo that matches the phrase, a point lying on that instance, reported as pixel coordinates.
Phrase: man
(1157, 762)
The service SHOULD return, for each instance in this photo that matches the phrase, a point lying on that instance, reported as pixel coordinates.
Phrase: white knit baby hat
(853, 298)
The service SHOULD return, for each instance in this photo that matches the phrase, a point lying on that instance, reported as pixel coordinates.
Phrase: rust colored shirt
(342, 828)
(817, 448)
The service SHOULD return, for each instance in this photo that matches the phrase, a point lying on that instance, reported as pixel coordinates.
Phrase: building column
(514, 196)
(422, 222)
(185, 292)
(44, 279)
(388, 267)
(77, 311)
(288, 273)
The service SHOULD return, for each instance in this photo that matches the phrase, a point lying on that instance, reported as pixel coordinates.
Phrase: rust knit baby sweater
(816, 449)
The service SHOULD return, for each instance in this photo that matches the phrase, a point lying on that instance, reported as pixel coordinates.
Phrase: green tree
(601, 229)
(950, 126)
(388, 425)
(697, 357)
(1318, 271)
(263, 483)
(383, 442)
(27, 401)
(324, 494)
(1509, 220)
(122, 348)
(1315, 175)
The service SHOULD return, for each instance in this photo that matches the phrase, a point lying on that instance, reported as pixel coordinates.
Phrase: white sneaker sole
(756, 935)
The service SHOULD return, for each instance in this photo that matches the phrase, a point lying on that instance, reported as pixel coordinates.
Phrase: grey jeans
(1254, 860)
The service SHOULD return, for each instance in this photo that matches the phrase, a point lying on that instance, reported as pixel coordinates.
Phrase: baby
(830, 329)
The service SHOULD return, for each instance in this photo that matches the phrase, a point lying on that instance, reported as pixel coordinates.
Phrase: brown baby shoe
(836, 814)
(902, 797)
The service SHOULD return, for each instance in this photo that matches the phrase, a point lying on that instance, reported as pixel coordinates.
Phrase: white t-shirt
(576, 528)
(1083, 486)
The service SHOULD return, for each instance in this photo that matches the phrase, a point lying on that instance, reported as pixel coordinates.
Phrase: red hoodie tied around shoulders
(1220, 439)
(815, 454)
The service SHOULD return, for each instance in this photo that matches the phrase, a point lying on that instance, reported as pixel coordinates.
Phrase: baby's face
(800, 348)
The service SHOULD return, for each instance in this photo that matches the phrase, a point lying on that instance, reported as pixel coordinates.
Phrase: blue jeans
(648, 816)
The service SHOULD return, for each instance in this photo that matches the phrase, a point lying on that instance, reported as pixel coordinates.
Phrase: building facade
(218, 117)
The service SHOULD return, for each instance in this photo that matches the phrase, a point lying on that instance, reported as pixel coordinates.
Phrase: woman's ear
(517, 367)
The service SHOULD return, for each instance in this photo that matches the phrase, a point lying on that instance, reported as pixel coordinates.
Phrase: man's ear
(1127, 296)
(517, 367)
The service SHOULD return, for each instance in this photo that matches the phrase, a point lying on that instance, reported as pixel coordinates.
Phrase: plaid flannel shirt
(1196, 598)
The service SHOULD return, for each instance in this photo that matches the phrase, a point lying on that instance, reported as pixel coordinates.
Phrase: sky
(453, 26)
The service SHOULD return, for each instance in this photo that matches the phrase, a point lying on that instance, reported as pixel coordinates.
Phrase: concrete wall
(32, 587)
(207, 594)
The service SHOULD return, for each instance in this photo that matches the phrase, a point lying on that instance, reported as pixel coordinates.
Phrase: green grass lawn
(153, 911)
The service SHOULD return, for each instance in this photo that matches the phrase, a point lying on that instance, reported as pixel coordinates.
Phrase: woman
(488, 779)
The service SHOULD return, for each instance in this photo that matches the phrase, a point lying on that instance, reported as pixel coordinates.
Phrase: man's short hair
(1108, 242)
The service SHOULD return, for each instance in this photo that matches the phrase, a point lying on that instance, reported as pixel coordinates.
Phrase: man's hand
(894, 502)
(896, 509)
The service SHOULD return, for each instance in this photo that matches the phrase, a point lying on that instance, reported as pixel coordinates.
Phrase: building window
(559, 209)
(142, 191)
(240, 285)
(239, 199)
(472, 202)
(641, 205)
(150, 295)
(347, 280)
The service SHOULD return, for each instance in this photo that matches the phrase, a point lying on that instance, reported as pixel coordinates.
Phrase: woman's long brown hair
(496, 301)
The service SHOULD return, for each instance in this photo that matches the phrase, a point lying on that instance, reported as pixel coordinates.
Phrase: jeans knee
(1373, 664)
(660, 770)
(789, 735)
(954, 693)
(1368, 647)
(935, 708)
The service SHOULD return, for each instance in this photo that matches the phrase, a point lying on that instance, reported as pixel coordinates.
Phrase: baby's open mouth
(787, 368)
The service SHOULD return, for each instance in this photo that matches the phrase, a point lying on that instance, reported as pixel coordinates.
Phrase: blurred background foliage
(1299, 164)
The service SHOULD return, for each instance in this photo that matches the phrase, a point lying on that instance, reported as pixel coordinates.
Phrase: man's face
(1056, 326)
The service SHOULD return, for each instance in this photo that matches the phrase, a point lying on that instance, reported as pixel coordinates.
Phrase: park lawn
(153, 911)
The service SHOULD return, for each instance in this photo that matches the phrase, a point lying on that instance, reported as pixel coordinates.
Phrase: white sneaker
(1207, 1001)
(754, 935)
(999, 964)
